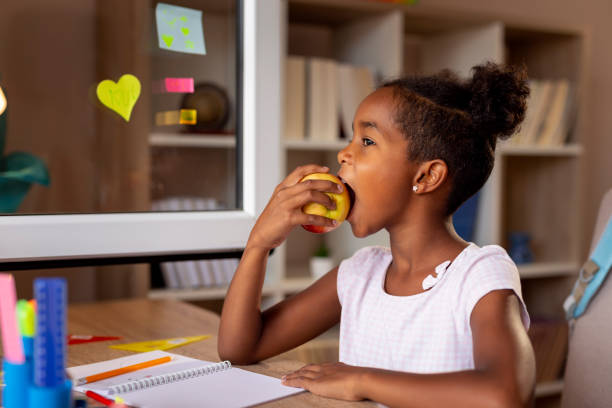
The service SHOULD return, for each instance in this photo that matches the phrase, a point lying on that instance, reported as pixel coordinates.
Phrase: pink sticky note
(179, 85)
(11, 339)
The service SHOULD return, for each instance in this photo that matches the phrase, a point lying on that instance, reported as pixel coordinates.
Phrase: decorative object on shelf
(520, 252)
(18, 170)
(121, 96)
(212, 105)
(321, 262)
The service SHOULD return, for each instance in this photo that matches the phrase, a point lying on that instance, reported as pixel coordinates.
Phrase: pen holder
(51, 397)
(18, 378)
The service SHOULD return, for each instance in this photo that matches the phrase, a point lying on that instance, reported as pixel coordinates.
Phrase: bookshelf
(532, 188)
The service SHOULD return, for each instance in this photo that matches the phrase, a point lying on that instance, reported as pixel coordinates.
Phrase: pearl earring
(415, 188)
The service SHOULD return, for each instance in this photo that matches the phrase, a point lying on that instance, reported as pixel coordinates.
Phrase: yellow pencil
(122, 370)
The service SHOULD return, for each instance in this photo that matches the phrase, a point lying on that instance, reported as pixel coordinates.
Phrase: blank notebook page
(229, 388)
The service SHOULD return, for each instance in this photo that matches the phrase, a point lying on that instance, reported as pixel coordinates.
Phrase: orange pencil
(122, 370)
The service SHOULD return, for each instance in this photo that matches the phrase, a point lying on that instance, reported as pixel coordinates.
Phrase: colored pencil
(99, 398)
(122, 370)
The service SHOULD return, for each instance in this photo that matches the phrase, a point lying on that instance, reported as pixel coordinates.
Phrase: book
(354, 84)
(295, 88)
(206, 275)
(538, 107)
(464, 219)
(521, 137)
(321, 100)
(183, 382)
(554, 127)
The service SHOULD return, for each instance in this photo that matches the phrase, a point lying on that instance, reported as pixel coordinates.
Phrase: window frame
(32, 238)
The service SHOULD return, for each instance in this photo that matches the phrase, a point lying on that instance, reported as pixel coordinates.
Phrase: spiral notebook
(183, 382)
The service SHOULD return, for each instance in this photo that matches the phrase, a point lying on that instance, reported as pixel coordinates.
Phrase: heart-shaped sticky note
(121, 96)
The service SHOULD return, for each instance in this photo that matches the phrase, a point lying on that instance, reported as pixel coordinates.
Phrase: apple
(342, 200)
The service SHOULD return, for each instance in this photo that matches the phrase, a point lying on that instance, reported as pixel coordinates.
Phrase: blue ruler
(50, 339)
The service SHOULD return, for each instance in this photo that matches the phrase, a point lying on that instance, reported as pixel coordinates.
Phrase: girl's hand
(334, 380)
(284, 210)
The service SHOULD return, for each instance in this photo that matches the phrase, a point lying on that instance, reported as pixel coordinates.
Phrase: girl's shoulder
(477, 258)
(485, 269)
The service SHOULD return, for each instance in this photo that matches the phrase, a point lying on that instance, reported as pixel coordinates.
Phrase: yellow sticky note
(188, 117)
(167, 118)
(164, 344)
(120, 96)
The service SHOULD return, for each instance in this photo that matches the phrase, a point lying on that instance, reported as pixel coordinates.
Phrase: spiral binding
(169, 378)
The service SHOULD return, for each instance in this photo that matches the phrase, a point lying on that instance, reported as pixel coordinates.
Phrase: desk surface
(141, 320)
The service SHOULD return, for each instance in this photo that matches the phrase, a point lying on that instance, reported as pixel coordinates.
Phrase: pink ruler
(11, 339)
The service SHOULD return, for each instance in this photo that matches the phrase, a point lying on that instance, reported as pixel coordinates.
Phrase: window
(163, 170)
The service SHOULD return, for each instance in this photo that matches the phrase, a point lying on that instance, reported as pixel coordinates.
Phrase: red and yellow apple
(342, 200)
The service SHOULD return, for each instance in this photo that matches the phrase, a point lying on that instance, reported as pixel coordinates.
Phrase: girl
(433, 320)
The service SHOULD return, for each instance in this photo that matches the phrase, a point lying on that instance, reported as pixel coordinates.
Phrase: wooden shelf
(566, 150)
(547, 269)
(284, 287)
(548, 389)
(192, 140)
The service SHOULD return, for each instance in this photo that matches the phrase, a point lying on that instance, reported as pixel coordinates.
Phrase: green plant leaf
(322, 252)
(12, 193)
(25, 167)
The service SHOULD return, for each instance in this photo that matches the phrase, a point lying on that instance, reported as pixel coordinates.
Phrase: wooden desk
(141, 320)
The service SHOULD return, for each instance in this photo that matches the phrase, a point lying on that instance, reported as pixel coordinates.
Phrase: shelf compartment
(540, 196)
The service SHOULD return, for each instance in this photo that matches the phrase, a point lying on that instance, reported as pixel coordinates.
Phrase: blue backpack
(592, 274)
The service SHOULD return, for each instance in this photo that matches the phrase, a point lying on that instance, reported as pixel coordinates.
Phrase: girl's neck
(419, 246)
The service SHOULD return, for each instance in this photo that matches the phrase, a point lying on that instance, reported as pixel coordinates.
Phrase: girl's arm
(504, 374)
(246, 335)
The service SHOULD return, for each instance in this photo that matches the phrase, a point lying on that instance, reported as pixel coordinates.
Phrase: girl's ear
(430, 176)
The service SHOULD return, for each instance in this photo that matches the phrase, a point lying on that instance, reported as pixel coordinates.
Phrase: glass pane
(119, 106)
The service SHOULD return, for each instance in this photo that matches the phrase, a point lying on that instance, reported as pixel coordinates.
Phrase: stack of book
(321, 97)
(194, 274)
(550, 114)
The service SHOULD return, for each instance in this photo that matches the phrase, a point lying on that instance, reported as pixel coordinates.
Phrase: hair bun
(499, 99)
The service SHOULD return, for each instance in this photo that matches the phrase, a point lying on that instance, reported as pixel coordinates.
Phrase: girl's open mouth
(351, 193)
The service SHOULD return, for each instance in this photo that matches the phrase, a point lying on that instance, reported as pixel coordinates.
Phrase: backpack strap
(592, 274)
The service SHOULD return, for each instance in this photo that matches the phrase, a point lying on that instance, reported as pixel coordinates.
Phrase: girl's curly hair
(459, 121)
